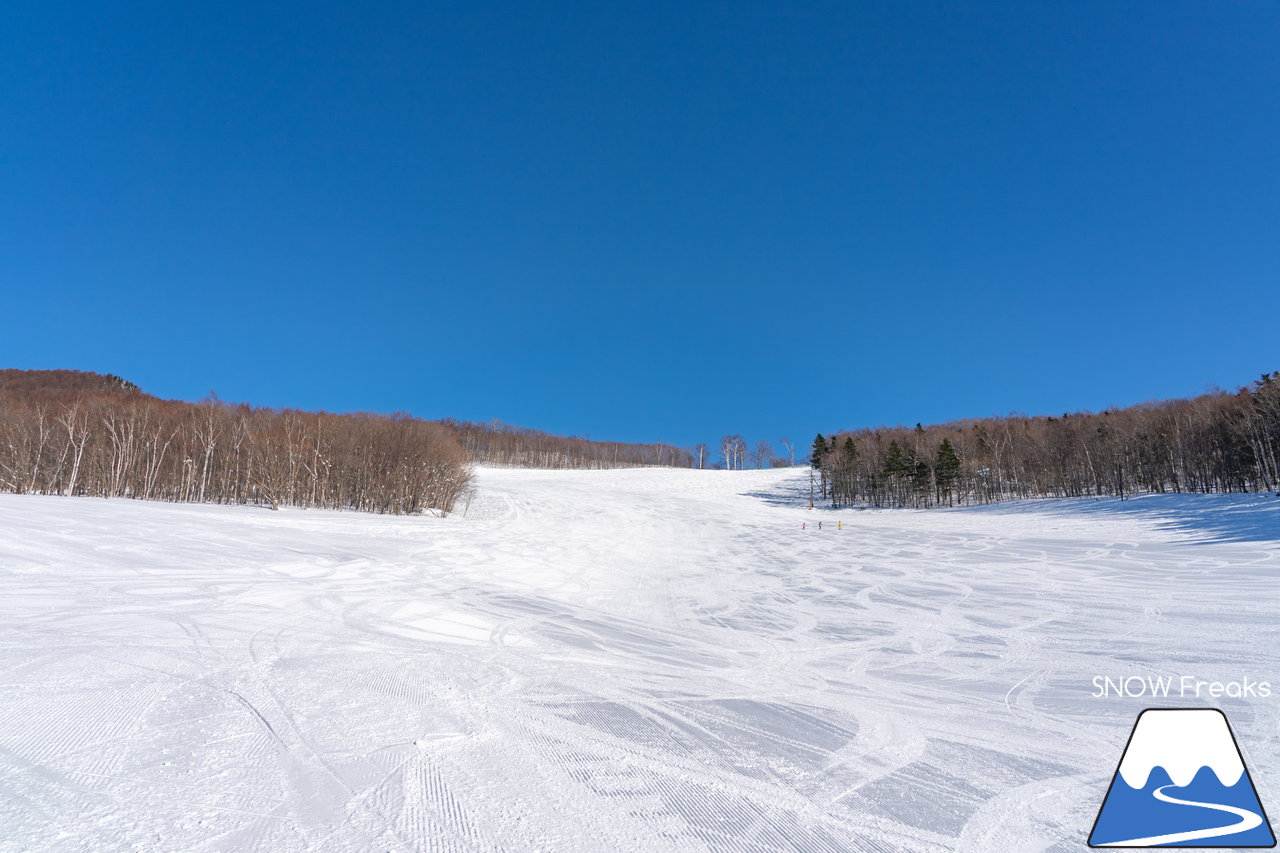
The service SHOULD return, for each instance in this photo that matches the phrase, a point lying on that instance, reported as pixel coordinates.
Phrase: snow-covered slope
(607, 660)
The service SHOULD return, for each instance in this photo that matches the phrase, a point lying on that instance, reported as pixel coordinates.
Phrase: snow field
(607, 660)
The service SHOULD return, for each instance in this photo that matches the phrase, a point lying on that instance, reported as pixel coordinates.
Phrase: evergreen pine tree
(920, 472)
(895, 461)
(947, 470)
(819, 451)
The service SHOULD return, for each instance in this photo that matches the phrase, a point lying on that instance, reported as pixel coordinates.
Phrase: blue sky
(645, 221)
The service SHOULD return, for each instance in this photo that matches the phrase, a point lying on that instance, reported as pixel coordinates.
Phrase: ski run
(627, 660)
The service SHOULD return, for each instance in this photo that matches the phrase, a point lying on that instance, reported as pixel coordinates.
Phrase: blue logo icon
(1182, 782)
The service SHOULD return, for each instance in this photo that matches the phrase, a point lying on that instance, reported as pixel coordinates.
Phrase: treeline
(501, 444)
(1219, 442)
(80, 433)
(75, 433)
(735, 455)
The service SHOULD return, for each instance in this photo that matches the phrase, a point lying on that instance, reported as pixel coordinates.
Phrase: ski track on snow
(602, 660)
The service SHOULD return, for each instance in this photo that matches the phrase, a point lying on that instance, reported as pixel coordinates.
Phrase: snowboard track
(643, 659)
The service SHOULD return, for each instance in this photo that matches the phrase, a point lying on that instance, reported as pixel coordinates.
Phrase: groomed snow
(614, 660)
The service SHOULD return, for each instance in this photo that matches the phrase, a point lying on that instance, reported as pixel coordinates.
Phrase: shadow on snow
(1253, 517)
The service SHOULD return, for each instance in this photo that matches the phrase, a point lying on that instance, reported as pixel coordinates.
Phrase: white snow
(608, 660)
(1181, 741)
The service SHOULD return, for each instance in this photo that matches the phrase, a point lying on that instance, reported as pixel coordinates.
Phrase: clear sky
(645, 221)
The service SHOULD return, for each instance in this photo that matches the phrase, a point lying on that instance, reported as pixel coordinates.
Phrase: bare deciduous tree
(110, 440)
(761, 453)
(729, 451)
(700, 453)
(496, 443)
(67, 432)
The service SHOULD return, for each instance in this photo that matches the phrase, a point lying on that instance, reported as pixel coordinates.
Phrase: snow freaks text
(1180, 687)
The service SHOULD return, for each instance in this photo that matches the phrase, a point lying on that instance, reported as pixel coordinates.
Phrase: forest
(67, 432)
(501, 444)
(75, 433)
(1217, 442)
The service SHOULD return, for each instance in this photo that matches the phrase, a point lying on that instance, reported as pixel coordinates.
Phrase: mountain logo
(1181, 782)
